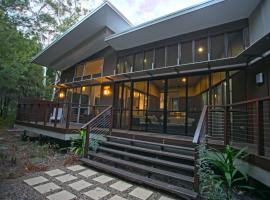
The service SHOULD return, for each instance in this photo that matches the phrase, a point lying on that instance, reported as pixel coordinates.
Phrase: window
(186, 52)
(235, 43)
(201, 50)
(148, 59)
(129, 63)
(160, 57)
(94, 68)
(138, 65)
(172, 55)
(79, 70)
(120, 65)
(217, 47)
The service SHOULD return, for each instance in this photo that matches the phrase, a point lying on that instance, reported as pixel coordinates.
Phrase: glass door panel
(176, 106)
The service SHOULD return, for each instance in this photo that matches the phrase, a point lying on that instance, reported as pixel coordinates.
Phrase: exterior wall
(259, 21)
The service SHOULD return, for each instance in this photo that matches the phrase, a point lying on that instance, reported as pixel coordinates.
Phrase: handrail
(93, 119)
(198, 132)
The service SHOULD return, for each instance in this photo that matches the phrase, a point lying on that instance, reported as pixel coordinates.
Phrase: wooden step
(179, 191)
(187, 179)
(151, 151)
(149, 159)
(132, 141)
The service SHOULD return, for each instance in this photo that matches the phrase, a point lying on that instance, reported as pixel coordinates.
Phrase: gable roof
(201, 16)
(84, 38)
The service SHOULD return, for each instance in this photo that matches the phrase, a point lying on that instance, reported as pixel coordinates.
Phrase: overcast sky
(139, 11)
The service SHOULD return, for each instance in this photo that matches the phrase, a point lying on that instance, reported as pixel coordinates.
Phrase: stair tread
(153, 143)
(144, 167)
(180, 191)
(162, 153)
(149, 159)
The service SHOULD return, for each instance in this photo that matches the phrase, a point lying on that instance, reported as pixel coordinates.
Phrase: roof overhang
(84, 38)
(205, 15)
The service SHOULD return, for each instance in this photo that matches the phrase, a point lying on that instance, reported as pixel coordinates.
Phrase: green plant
(77, 145)
(94, 142)
(210, 184)
(230, 174)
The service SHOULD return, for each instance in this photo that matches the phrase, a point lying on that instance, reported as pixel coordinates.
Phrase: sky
(140, 11)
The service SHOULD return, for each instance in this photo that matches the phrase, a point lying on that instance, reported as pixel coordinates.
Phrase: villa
(156, 89)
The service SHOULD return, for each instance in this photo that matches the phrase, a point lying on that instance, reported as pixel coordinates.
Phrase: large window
(138, 65)
(148, 59)
(172, 55)
(186, 53)
(94, 68)
(217, 47)
(79, 70)
(201, 50)
(235, 43)
(160, 57)
(129, 63)
(120, 65)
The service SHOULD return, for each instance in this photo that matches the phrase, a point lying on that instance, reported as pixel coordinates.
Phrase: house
(161, 84)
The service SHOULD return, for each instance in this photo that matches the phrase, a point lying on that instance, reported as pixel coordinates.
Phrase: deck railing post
(111, 121)
(56, 115)
(45, 114)
(68, 116)
(87, 138)
(226, 134)
(259, 122)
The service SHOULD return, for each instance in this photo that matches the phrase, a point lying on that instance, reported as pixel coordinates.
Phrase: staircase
(166, 167)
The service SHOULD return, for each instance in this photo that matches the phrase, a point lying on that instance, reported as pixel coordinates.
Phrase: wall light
(106, 90)
(184, 80)
(83, 88)
(200, 49)
(61, 95)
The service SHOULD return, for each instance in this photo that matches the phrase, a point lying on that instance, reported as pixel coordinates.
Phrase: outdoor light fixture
(136, 94)
(200, 49)
(106, 90)
(83, 89)
(145, 60)
(184, 80)
(61, 95)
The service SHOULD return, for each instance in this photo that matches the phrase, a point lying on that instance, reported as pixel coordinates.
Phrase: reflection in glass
(217, 47)
(138, 65)
(148, 59)
(186, 53)
(201, 50)
(235, 43)
(160, 57)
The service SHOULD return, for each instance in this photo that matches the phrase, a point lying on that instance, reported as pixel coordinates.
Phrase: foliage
(229, 173)
(94, 142)
(77, 145)
(210, 184)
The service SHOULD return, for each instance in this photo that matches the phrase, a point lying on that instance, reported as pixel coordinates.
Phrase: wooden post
(45, 114)
(56, 115)
(259, 122)
(86, 146)
(226, 133)
(68, 116)
(111, 121)
(196, 177)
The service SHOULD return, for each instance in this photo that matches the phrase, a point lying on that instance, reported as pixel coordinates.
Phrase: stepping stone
(66, 178)
(121, 186)
(165, 198)
(48, 187)
(97, 193)
(116, 197)
(87, 173)
(79, 185)
(103, 179)
(55, 172)
(75, 168)
(63, 195)
(36, 180)
(141, 193)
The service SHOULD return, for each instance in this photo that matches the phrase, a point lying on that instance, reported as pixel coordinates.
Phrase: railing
(98, 127)
(56, 114)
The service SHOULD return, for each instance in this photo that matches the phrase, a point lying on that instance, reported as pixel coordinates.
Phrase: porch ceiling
(83, 39)
(201, 16)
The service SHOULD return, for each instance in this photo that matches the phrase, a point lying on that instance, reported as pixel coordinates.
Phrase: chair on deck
(59, 117)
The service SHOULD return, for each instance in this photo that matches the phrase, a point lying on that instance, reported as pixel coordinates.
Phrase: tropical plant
(77, 145)
(228, 171)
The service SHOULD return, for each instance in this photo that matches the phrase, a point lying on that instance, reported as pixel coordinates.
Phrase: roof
(83, 39)
(201, 16)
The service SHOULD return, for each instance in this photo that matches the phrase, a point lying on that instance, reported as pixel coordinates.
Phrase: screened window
(148, 59)
(129, 63)
(172, 55)
(201, 50)
(93, 68)
(120, 65)
(160, 57)
(138, 65)
(186, 52)
(217, 47)
(235, 43)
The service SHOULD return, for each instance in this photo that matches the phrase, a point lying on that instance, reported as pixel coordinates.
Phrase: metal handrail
(200, 127)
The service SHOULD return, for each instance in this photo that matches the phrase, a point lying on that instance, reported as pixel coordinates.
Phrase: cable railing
(97, 128)
(56, 114)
